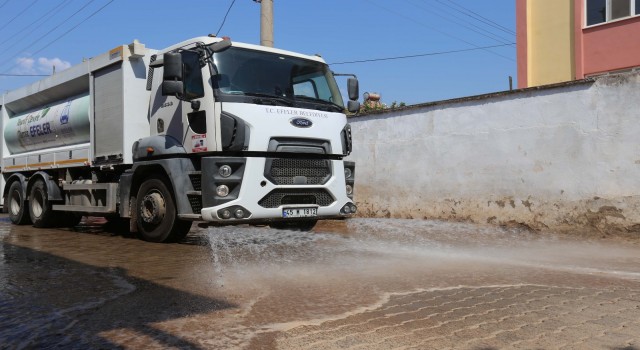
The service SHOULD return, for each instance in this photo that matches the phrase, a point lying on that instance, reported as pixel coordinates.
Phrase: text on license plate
(299, 212)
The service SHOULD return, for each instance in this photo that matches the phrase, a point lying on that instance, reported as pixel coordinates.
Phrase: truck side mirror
(353, 106)
(353, 89)
(172, 84)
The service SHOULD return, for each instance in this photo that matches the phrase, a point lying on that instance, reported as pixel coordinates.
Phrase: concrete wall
(560, 158)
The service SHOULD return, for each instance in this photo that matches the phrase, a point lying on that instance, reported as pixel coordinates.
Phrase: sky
(36, 35)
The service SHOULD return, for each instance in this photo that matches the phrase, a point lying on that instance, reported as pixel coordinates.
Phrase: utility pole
(266, 22)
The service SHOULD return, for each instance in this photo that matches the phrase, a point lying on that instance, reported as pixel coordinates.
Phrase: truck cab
(265, 130)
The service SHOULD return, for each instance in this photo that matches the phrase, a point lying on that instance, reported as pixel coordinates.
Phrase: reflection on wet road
(362, 284)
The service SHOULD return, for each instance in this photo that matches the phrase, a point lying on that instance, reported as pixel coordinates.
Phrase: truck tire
(39, 206)
(302, 225)
(157, 216)
(16, 205)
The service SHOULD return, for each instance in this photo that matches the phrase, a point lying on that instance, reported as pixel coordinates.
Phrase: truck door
(198, 111)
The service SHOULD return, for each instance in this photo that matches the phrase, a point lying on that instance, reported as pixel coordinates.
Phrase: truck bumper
(261, 189)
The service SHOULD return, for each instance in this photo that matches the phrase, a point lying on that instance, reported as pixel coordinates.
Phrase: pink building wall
(605, 47)
(611, 46)
(578, 39)
(522, 43)
(602, 48)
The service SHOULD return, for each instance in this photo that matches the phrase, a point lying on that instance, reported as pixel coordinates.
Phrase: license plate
(299, 212)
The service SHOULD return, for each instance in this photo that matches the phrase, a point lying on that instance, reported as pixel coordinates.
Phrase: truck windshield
(261, 77)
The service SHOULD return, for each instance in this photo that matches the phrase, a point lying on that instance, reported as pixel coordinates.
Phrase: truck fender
(175, 169)
(124, 189)
(53, 191)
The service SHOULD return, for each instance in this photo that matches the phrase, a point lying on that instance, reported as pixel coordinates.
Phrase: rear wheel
(39, 205)
(157, 216)
(301, 225)
(16, 205)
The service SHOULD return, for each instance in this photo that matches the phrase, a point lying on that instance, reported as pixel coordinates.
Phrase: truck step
(190, 216)
(90, 198)
(84, 209)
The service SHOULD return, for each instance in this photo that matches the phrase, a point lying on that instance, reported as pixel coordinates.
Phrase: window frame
(632, 7)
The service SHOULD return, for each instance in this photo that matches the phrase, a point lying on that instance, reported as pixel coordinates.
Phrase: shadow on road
(47, 301)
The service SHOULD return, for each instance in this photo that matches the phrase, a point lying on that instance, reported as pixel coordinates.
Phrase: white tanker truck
(205, 130)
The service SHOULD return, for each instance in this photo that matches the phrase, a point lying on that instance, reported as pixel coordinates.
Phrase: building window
(620, 9)
(596, 11)
(601, 11)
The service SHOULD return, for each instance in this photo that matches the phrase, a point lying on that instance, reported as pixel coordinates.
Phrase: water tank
(60, 124)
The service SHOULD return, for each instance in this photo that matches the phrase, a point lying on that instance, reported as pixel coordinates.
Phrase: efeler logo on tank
(301, 122)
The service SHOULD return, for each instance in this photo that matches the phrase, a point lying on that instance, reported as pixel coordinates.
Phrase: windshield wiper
(335, 106)
(265, 98)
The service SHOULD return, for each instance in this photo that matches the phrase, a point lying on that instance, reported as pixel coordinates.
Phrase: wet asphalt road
(358, 284)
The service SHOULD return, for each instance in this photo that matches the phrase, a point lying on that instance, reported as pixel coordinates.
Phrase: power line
(440, 31)
(44, 36)
(47, 14)
(74, 27)
(467, 12)
(421, 55)
(508, 30)
(475, 29)
(225, 17)
(19, 14)
(457, 14)
(4, 3)
(23, 75)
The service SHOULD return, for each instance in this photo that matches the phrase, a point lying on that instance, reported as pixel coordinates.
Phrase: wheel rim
(153, 208)
(14, 205)
(37, 203)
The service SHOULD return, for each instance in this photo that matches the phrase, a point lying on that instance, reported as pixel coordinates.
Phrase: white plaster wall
(563, 158)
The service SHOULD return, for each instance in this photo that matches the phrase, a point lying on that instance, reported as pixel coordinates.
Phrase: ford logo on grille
(301, 122)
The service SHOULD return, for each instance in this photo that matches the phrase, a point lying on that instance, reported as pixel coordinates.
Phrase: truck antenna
(225, 17)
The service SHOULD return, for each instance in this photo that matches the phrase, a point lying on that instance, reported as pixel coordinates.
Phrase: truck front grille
(295, 196)
(288, 171)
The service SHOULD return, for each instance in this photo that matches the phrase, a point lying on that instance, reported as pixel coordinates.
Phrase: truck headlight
(222, 190)
(347, 173)
(349, 190)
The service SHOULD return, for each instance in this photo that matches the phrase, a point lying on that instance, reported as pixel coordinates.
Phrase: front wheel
(157, 217)
(16, 205)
